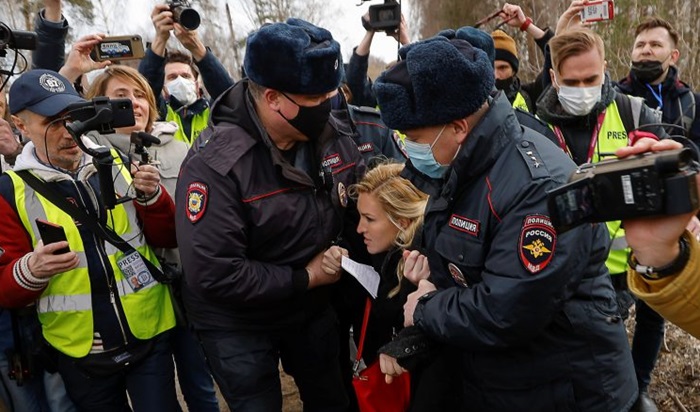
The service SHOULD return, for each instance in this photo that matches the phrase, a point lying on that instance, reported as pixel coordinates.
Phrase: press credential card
(365, 274)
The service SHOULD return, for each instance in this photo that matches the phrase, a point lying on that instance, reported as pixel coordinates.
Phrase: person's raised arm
(214, 76)
(51, 29)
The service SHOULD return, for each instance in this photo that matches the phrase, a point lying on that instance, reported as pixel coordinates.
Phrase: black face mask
(647, 71)
(505, 84)
(310, 121)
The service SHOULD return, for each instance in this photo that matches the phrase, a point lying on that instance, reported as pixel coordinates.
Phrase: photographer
(105, 335)
(663, 244)
(176, 76)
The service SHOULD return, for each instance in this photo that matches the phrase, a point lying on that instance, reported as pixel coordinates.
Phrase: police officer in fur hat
(531, 312)
(261, 196)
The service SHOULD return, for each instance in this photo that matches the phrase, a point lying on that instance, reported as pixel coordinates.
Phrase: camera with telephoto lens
(16, 39)
(184, 14)
(385, 17)
(651, 184)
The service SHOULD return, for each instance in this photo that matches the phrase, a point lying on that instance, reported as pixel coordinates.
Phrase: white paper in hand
(365, 274)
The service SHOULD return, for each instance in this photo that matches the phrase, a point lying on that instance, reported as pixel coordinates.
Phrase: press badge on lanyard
(135, 271)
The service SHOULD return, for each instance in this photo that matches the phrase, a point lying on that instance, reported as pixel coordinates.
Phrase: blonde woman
(391, 215)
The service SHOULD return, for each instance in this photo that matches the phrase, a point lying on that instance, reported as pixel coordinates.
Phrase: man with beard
(654, 76)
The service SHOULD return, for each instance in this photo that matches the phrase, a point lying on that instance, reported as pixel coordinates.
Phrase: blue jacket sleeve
(359, 84)
(215, 77)
(50, 50)
(152, 67)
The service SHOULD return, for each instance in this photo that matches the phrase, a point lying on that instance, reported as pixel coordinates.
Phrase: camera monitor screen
(571, 204)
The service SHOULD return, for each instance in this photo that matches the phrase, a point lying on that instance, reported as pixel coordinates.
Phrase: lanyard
(594, 138)
(658, 96)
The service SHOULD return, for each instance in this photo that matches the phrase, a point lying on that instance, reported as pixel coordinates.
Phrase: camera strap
(90, 222)
(594, 138)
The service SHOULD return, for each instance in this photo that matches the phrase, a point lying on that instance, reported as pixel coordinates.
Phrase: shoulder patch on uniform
(332, 161)
(197, 198)
(465, 225)
(537, 242)
(365, 147)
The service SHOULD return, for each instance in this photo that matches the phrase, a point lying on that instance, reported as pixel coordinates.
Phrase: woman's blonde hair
(400, 200)
(129, 75)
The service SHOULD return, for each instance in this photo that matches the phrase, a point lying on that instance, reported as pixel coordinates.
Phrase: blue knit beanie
(476, 37)
(295, 57)
(435, 82)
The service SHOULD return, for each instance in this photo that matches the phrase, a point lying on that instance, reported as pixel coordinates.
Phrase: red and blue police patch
(197, 198)
(537, 242)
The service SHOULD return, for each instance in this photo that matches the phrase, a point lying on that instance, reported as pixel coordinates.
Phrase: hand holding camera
(655, 240)
(178, 17)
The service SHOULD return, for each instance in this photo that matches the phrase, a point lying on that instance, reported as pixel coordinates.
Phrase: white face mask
(184, 90)
(578, 101)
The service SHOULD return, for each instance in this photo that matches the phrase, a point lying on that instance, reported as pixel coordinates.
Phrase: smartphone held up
(596, 11)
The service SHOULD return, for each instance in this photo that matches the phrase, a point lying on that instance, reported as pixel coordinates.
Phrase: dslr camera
(184, 14)
(385, 17)
(650, 184)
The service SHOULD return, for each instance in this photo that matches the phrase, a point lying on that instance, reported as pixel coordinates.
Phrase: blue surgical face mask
(421, 155)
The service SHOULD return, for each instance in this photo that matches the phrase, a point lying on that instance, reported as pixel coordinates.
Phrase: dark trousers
(648, 332)
(150, 383)
(193, 374)
(245, 365)
(647, 341)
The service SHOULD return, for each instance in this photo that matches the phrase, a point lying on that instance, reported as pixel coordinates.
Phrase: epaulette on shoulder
(366, 109)
(528, 151)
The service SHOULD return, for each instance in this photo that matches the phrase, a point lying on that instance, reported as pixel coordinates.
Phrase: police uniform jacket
(250, 221)
(374, 139)
(532, 312)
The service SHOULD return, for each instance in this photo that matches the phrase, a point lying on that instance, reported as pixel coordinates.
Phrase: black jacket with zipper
(542, 339)
(261, 220)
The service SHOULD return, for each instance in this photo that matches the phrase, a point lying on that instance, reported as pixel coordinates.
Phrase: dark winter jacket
(672, 88)
(374, 139)
(51, 43)
(250, 221)
(533, 313)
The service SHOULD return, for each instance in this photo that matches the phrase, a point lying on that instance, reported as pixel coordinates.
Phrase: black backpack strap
(686, 103)
(81, 216)
(630, 109)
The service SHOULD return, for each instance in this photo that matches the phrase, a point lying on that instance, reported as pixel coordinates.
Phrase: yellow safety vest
(199, 123)
(65, 306)
(520, 103)
(612, 136)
